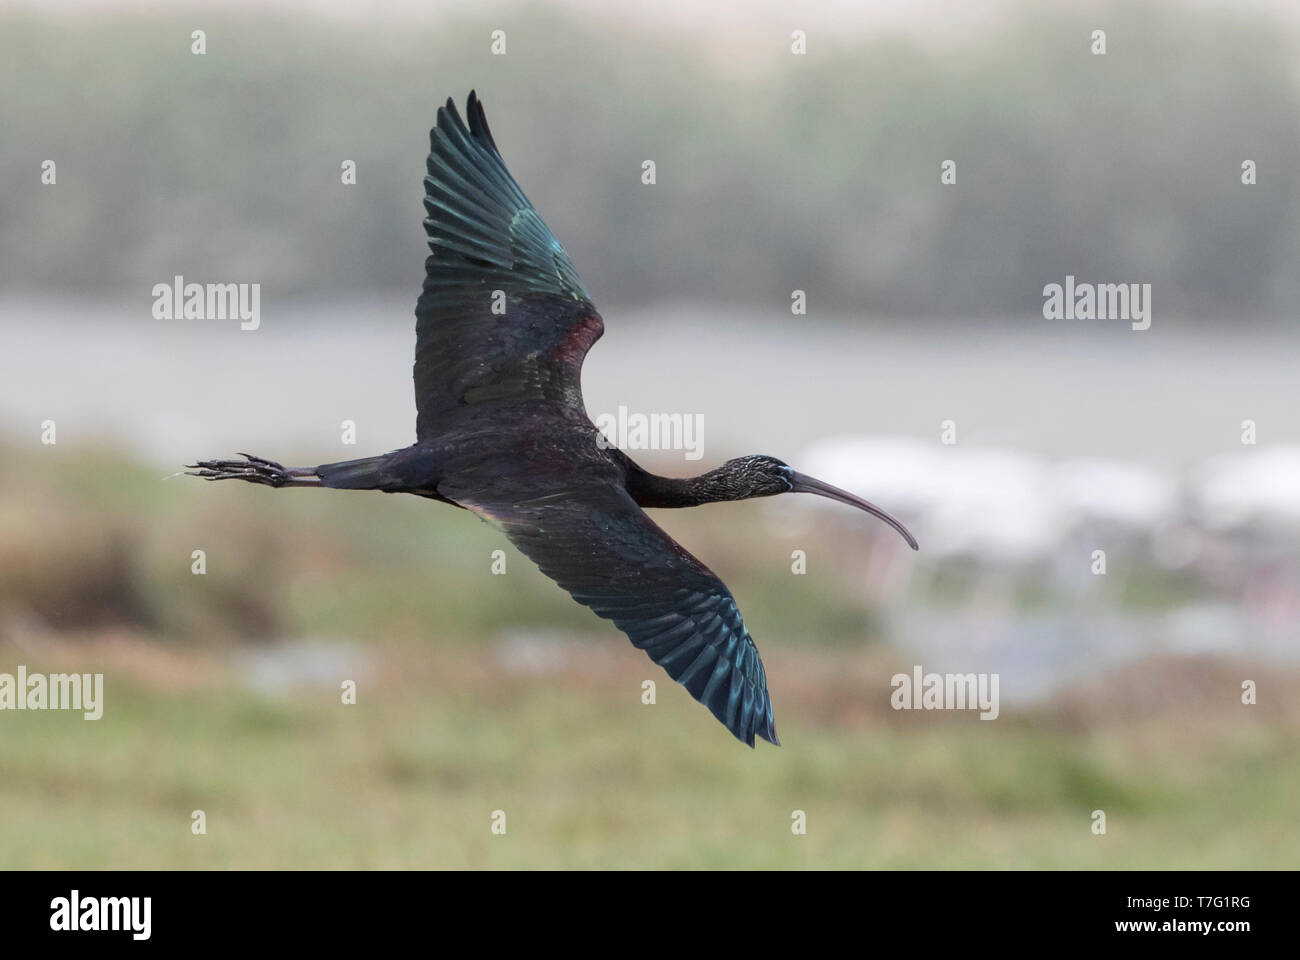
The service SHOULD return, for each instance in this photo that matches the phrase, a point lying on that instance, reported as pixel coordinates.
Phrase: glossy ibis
(502, 430)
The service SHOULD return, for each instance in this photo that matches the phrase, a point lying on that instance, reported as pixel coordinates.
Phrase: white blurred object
(532, 651)
(1113, 491)
(994, 504)
(304, 663)
(1255, 486)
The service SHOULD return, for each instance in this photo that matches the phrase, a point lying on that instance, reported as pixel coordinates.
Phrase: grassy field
(589, 777)
(479, 693)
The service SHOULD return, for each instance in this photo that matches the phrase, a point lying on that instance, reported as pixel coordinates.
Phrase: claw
(261, 460)
(253, 469)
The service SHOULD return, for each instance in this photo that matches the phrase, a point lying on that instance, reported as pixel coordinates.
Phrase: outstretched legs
(411, 470)
(255, 470)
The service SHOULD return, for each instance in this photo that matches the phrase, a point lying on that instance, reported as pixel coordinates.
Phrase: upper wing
(503, 315)
(596, 543)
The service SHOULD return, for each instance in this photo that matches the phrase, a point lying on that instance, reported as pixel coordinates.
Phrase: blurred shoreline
(763, 381)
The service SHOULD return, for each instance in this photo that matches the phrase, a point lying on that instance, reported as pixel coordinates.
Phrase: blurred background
(1121, 691)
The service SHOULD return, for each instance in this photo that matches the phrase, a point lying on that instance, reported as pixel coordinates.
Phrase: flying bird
(501, 430)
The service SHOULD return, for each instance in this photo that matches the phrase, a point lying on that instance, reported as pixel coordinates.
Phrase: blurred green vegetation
(452, 722)
(333, 562)
(817, 172)
(408, 777)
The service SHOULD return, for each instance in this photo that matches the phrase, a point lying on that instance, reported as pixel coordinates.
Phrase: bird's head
(757, 476)
(763, 476)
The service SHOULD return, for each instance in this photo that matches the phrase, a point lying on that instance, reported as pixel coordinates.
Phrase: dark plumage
(502, 326)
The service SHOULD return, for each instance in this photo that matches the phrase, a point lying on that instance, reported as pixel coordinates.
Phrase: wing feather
(503, 316)
(597, 544)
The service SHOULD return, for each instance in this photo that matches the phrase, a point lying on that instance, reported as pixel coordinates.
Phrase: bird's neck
(652, 490)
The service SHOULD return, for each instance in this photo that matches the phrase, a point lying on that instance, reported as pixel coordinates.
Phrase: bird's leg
(255, 470)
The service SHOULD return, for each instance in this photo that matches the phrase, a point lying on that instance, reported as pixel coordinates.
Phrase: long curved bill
(806, 484)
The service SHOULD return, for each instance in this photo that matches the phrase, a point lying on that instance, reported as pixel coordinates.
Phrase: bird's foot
(254, 470)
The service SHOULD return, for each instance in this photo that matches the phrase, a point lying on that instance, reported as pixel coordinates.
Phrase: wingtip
(478, 125)
(765, 728)
(450, 123)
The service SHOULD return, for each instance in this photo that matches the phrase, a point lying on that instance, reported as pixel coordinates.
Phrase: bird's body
(503, 325)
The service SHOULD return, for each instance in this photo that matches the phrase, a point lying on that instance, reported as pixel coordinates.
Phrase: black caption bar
(134, 910)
